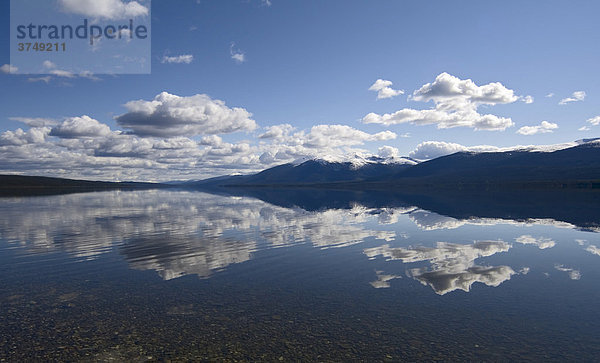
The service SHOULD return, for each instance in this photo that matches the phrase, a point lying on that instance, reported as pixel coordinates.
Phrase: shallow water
(164, 274)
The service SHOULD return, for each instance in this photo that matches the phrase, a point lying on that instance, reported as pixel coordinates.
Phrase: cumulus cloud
(527, 99)
(276, 131)
(388, 152)
(577, 96)
(21, 137)
(105, 9)
(452, 265)
(341, 135)
(211, 140)
(83, 126)
(85, 148)
(542, 128)
(7, 68)
(594, 120)
(434, 149)
(384, 89)
(456, 103)
(236, 54)
(184, 58)
(48, 64)
(541, 242)
(452, 92)
(573, 274)
(170, 115)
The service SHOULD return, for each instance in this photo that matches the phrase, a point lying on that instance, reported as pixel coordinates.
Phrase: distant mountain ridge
(11, 185)
(566, 166)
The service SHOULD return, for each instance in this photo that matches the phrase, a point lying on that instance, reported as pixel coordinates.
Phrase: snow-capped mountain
(356, 160)
(562, 164)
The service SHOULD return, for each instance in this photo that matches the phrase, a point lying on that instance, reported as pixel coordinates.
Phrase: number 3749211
(41, 47)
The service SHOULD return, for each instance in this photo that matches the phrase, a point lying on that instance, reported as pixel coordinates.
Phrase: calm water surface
(159, 275)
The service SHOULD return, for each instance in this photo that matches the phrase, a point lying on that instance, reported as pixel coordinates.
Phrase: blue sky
(308, 63)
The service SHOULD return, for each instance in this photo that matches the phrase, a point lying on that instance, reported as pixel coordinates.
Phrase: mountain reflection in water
(177, 233)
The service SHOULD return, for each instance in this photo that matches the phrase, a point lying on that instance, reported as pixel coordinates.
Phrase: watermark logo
(80, 37)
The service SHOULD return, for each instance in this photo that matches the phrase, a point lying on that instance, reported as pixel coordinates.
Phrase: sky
(237, 86)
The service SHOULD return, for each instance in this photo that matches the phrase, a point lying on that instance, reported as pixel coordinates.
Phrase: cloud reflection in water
(174, 233)
(452, 265)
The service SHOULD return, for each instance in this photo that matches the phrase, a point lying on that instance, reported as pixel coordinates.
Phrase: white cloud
(184, 58)
(170, 115)
(45, 79)
(211, 140)
(583, 128)
(61, 73)
(573, 274)
(48, 64)
(276, 131)
(7, 68)
(550, 95)
(542, 128)
(266, 2)
(341, 135)
(433, 149)
(594, 120)
(575, 97)
(388, 152)
(236, 54)
(456, 103)
(453, 93)
(527, 99)
(106, 9)
(442, 119)
(20, 137)
(77, 127)
(384, 89)
(541, 242)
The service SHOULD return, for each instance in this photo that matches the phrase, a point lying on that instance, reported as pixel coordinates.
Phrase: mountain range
(572, 166)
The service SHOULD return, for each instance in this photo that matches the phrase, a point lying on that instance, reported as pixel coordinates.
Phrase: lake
(282, 275)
